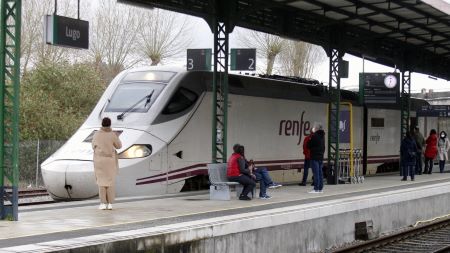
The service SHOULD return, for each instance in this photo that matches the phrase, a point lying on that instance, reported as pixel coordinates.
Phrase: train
(163, 116)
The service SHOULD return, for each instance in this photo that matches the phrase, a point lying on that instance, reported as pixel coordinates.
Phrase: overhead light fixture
(432, 77)
(369, 57)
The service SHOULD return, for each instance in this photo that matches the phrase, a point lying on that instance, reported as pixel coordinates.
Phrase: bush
(56, 99)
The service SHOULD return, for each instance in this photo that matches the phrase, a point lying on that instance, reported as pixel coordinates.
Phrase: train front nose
(70, 180)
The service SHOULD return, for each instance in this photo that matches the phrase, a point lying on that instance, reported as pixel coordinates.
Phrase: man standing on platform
(317, 147)
(420, 142)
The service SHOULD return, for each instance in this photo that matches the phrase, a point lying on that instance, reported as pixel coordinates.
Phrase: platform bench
(220, 188)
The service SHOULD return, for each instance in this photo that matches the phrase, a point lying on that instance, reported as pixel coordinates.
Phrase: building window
(377, 122)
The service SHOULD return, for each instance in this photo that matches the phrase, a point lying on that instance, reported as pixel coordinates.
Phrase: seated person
(261, 175)
(238, 172)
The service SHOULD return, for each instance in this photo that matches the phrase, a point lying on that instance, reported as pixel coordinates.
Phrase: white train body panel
(272, 130)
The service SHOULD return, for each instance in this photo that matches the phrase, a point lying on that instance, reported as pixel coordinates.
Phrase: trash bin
(331, 174)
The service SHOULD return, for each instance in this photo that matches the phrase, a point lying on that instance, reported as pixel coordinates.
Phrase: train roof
(276, 86)
(296, 88)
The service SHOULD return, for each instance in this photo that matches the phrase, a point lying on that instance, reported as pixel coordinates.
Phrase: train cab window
(377, 122)
(134, 96)
(180, 101)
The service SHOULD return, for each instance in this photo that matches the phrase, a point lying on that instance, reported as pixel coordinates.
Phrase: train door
(178, 165)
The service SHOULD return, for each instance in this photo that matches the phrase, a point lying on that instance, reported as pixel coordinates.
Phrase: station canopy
(411, 35)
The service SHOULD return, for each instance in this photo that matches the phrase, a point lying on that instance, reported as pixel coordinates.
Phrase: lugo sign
(66, 32)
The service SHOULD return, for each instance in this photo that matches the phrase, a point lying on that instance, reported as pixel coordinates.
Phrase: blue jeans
(316, 166)
(408, 169)
(428, 165)
(419, 162)
(441, 165)
(262, 175)
(306, 167)
(246, 181)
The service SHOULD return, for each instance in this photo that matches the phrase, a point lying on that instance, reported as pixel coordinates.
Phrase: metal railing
(350, 169)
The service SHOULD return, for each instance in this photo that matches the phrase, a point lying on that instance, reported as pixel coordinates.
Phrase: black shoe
(412, 179)
(312, 184)
(302, 184)
(244, 198)
(420, 173)
(403, 179)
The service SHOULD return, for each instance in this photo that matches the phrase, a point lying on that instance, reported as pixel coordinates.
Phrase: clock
(390, 81)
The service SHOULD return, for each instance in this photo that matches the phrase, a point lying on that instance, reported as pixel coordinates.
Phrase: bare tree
(268, 46)
(164, 35)
(114, 34)
(300, 58)
(33, 48)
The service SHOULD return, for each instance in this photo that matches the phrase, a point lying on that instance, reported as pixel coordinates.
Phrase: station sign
(434, 111)
(198, 59)
(379, 88)
(243, 59)
(343, 69)
(66, 32)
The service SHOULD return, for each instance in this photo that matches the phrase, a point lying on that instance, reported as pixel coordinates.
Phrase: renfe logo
(294, 128)
(72, 33)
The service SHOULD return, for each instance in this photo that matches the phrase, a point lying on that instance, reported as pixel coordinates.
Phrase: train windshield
(134, 96)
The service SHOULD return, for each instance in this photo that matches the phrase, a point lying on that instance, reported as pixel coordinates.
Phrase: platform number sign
(198, 59)
(243, 59)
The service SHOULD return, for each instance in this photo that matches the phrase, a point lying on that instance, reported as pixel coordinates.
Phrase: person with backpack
(443, 147)
(408, 152)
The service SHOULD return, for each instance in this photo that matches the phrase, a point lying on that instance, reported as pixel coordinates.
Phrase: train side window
(377, 122)
(180, 101)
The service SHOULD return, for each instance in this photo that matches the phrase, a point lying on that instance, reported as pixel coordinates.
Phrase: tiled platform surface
(61, 222)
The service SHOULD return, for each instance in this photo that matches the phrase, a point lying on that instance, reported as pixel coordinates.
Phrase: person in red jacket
(430, 151)
(237, 172)
(306, 164)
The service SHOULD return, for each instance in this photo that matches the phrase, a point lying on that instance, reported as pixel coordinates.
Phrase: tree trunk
(270, 62)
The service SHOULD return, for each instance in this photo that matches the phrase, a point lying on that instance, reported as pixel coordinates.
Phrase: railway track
(433, 237)
(34, 197)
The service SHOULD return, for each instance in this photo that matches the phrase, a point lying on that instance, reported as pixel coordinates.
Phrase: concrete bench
(220, 186)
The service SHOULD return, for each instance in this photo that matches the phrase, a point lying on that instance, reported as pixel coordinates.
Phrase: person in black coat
(408, 152)
(317, 148)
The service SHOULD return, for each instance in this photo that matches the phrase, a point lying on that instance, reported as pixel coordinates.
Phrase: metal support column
(333, 113)
(10, 17)
(220, 92)
(405, 102)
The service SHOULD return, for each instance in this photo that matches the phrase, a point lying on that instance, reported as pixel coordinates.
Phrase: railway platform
(292, 221)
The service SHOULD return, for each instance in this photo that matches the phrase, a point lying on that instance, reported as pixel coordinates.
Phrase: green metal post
(9, 106)
(405, 103)
(333, 113)
(220, 92)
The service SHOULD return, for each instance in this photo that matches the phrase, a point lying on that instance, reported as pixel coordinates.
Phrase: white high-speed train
(164, 118)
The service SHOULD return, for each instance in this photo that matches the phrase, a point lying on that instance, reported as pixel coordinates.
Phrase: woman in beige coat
(105, 142)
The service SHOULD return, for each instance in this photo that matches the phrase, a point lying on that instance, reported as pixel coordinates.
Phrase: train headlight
(136, 151)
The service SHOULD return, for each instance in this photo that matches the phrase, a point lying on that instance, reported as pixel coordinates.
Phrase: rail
(433, 237)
